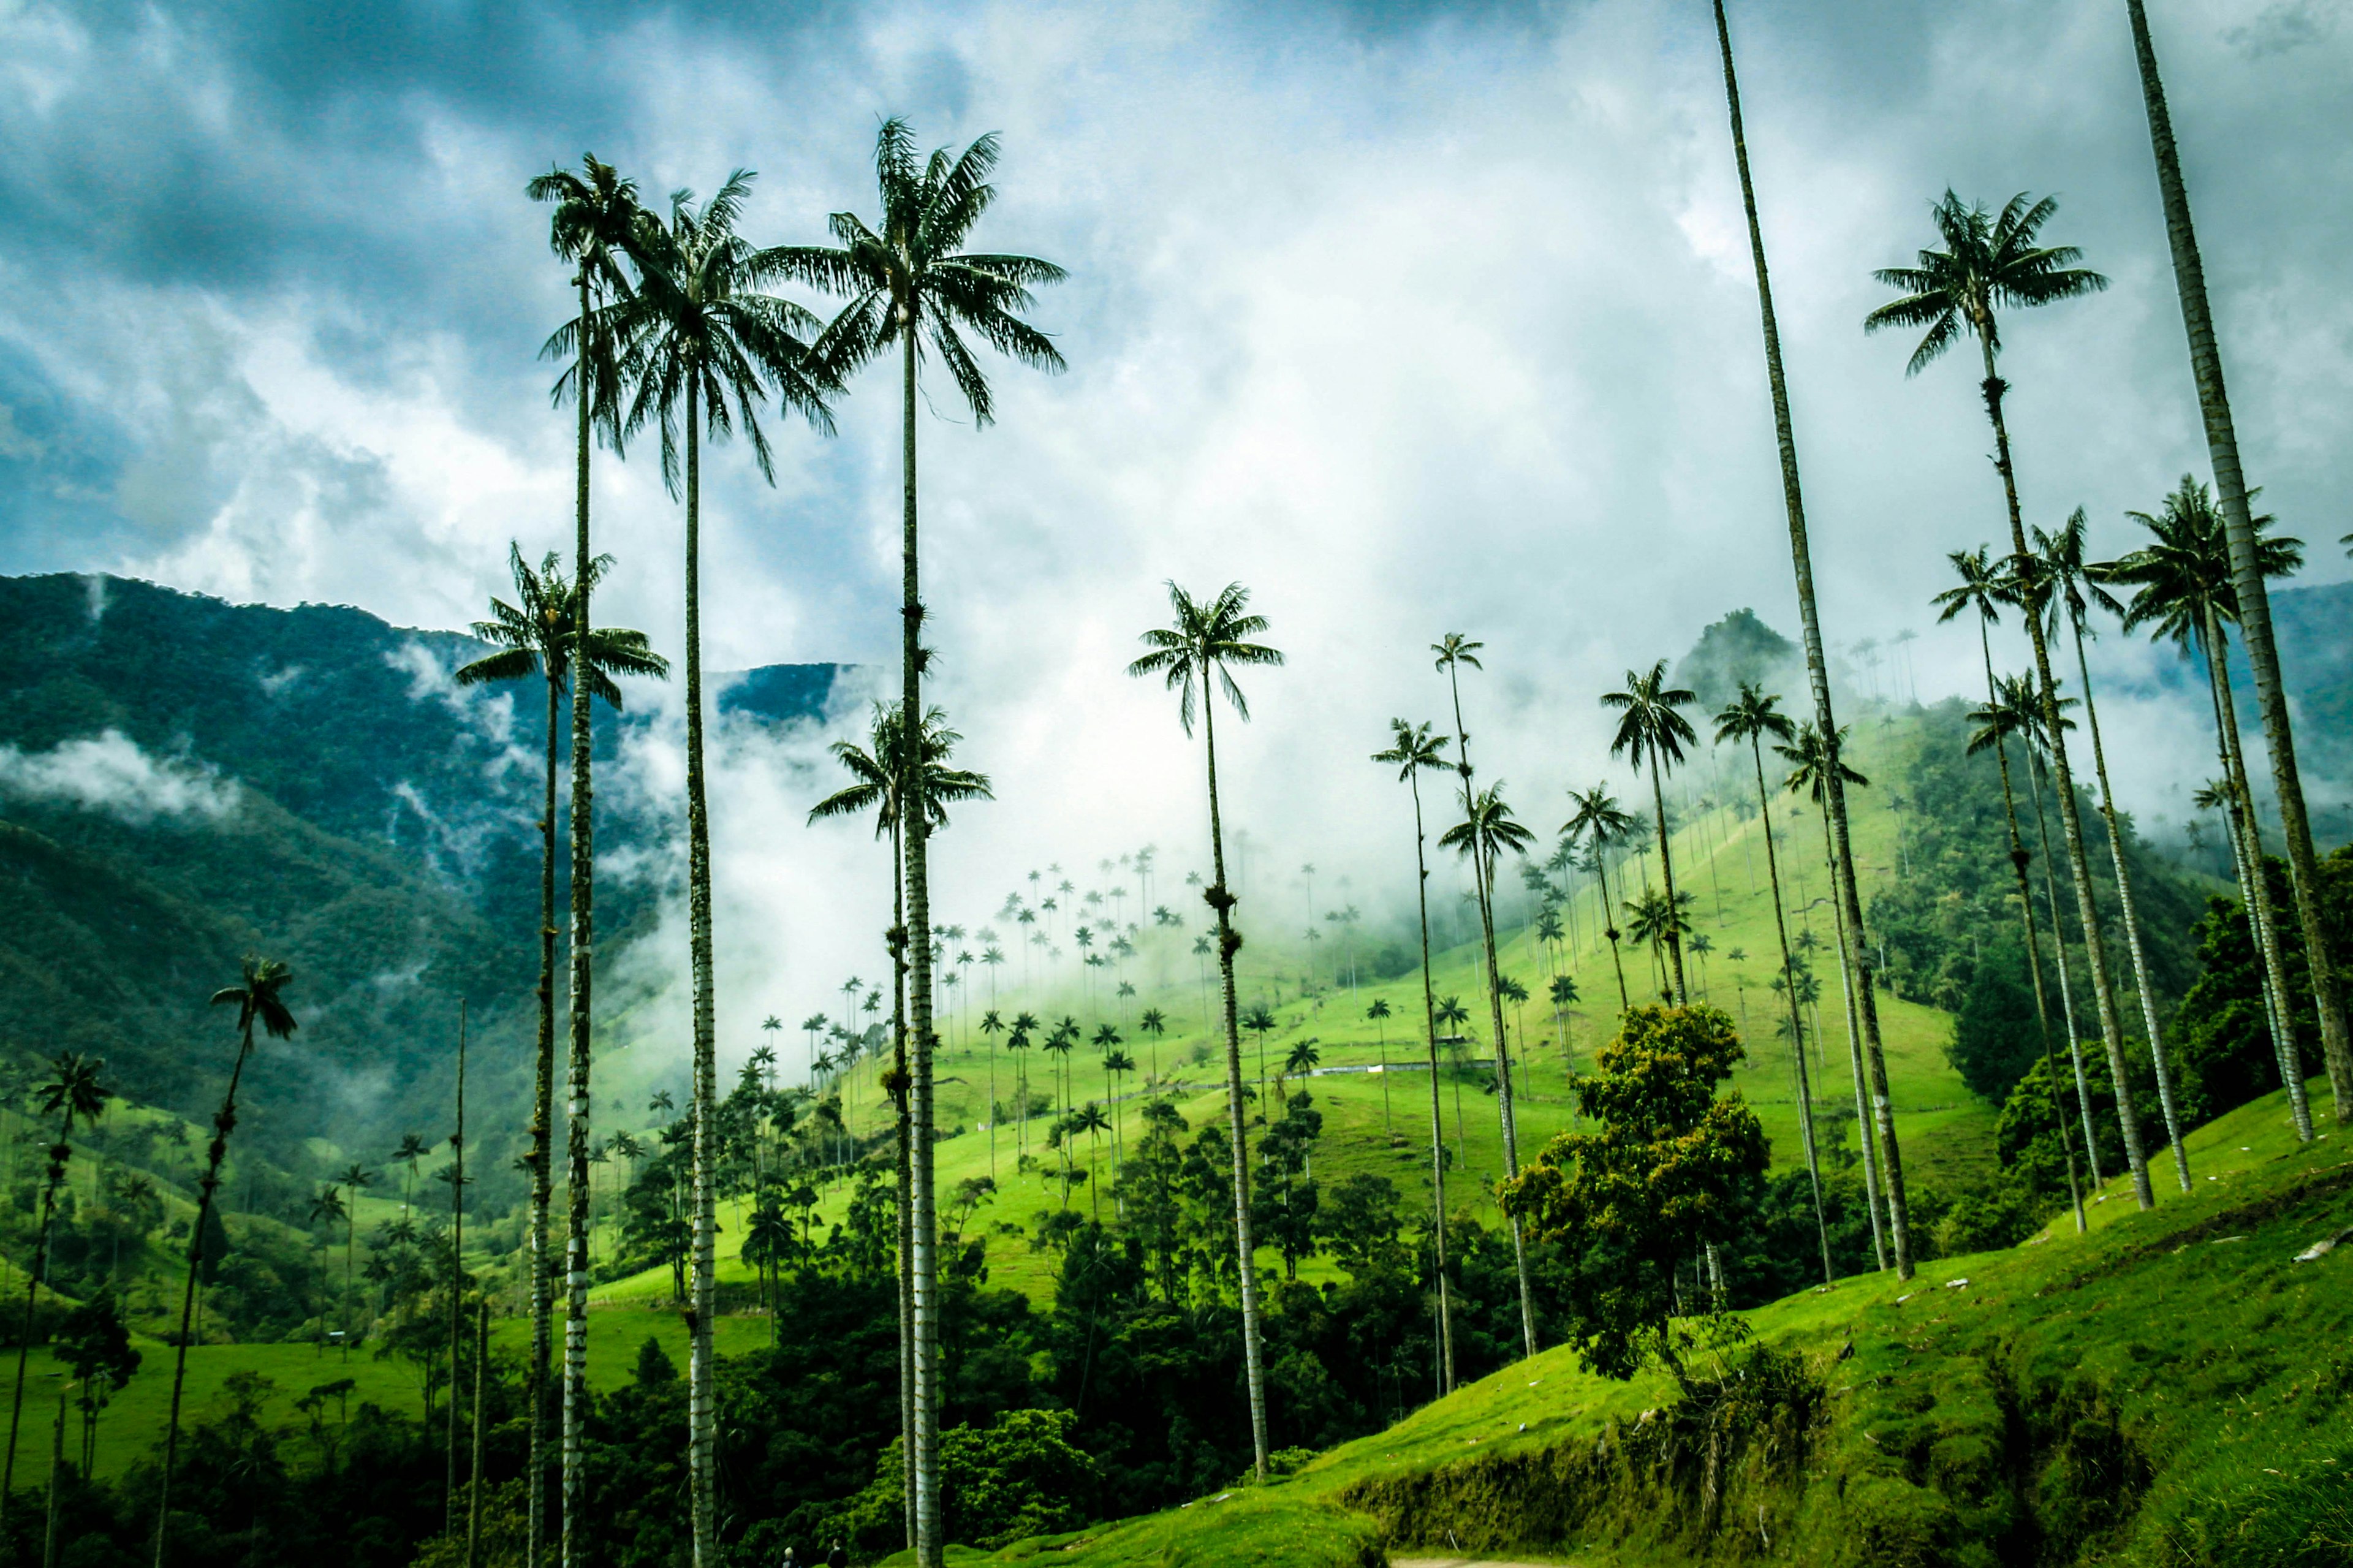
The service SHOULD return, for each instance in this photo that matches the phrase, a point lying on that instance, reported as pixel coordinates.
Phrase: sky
(1412, 319)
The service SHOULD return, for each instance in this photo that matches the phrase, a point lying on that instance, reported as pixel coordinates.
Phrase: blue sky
(1414, 318)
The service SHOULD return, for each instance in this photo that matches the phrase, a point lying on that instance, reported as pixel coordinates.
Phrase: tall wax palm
(1487, 832)
(1598, 821)
(355, 1179)
(2248, 571)
(1811, 764)
(878, 778)
(1844, 887)
(2014, 711)
(1414, 750)
(1751, 718)
(72, 1094)
(595, 211)
(701, 343)
(1985, 588)
(539, 635)
(1992, 261)
(1195, 653)
(257, 999)
(1650, 731)
(2184, 590)
(2066, 587)
(1378, 1015)
(913, 287)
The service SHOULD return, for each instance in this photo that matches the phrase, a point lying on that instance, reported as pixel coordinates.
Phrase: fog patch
(110, 773)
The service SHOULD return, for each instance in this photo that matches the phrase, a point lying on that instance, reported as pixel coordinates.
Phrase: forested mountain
(183, 780)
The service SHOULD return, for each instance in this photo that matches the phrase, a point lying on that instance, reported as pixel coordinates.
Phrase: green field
(2187, 1339)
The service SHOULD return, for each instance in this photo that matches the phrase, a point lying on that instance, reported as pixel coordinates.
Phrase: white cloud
(110, 773)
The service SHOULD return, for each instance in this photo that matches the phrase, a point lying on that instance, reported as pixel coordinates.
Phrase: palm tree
(2248, 571)
(412, 1150)
(1811, 764)
(909, 286)
(257, 1000)
(1414, 750)
(329, 1208)
(1843, 885)
(73, 1094)
(2185, 592)
(1378, 1015)
(595, 215)
(355, 1178)
(1201, 645)
(1651, 732)
(700, 338)
(2058, 558)
(539, 635)
(2014, 711)
(1989, 261)
(1598, 821)
(1984, 589)
(1488, 830)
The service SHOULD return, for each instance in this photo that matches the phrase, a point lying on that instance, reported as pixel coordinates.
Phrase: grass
(2216, 1371)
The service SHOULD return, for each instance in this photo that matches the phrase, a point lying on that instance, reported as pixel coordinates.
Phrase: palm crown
(595, 217)
(1989, 261)
(256, 997)
(2184, 570)
(698, 332)
(2015, 708)
(912, 280)
(1208, 636)
(538, 635)
(1414, 748)
(1598, 817)
(1651, 728)
(75, 1090)
(2058, 563)
(1982, 587)
(1753, 715)
(1487, 830)
(1809, 762)
(876, 774)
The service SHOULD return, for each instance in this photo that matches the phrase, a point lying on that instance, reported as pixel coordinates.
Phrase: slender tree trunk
(56, 1485)
(457, 1275)
(904, 1154)
(1817, 674)
(542, 1159)
(2259, 916)
(1667, 872)
(578, 1190)
(2131, 917)
(1871, 1183)
(2095, 958)
(2246, 570)
(2017, 861)
(1609, 924)
(1230, 942)
(700, 1426)
(1798, 1032)
(59, 1154)
(1482, 881)
(915, 824)
(2067, 983)
(224, 1124)
(474, 1474)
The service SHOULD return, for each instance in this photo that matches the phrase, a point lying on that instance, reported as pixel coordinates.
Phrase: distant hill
(183, 780)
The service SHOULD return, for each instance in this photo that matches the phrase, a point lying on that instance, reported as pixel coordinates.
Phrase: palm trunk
(1609, 924)
(474, 1474)
(700, 1409)
(2264, 928)
(2018, 859)
(58, 1157)
(2095, 958)
(224, 1124)
(457, 1275)
(1482, 881)
(2246, 570)
(543, 1154)
(579, 1189)
(903, 1153)
(915, 823)
(1798, 1032)
(1817, 674)
(2066, 983)
(2131, 918)
(1667, 872)
(1229, 941)
(1870, 1183)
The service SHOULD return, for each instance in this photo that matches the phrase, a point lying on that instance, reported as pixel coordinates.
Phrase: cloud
(109, 773)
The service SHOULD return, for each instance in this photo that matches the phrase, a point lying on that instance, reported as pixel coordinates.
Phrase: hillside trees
(72, 1094)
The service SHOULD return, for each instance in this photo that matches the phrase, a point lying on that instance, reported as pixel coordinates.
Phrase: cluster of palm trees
(679, 327)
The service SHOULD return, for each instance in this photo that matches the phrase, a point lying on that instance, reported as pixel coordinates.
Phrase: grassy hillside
(2171, 1388)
